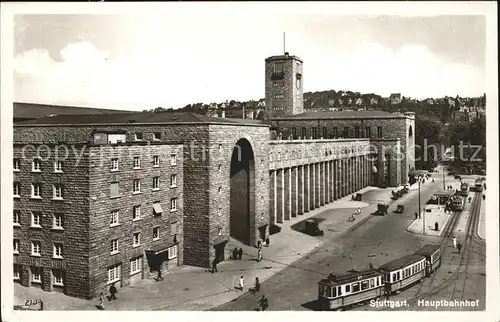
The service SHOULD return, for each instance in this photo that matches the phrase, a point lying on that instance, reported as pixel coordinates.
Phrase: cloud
(412, 70)
(170, 78)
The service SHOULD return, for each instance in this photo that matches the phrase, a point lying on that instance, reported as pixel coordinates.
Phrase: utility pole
(419, 208)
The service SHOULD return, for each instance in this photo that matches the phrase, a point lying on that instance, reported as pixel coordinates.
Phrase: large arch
(242, 191)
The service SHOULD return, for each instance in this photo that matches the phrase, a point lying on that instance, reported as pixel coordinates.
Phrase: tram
(432, 255)
(344, 291)
(457, 203)
(403, 272)
(464, 189)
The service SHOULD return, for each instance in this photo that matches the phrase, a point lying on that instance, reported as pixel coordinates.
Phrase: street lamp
(419, 209)
(444, 185)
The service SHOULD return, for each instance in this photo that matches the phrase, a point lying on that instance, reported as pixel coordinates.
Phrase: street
(377, 241)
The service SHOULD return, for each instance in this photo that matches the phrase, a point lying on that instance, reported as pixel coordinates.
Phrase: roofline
(281, 57)
(136, 123)
(338, 118)
(71, 106)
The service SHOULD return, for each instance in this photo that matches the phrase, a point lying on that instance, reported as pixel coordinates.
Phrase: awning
(160, 248)
(157, 208)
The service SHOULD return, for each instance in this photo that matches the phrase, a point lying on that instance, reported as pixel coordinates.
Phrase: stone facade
(284, 86)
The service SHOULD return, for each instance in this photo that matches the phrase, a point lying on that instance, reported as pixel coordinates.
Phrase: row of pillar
(300, 189)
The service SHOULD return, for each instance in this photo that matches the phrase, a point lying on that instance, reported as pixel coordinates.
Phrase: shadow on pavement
(312, 305)
(301, 225)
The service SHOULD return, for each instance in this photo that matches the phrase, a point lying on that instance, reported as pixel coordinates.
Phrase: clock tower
(284, 91)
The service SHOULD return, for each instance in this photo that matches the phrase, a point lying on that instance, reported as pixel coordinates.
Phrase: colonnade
(299, 189)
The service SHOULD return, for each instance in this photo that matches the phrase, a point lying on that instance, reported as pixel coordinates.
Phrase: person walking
(240, 253)
(454, 242)
(459, 247)
(358, 211)
(101, 301)
(235, 253)
(259, 255)
(241, 283)
(257, 286)
(159, 278)
(113, 291)
(214, 266)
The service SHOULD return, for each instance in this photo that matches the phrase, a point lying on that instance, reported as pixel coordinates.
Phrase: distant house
(395, 98)
(359, 101)
(373, 101)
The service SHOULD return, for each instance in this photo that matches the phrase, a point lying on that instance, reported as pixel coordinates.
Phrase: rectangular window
(36, 247)
(348, 288)
(36, 219)
(314, 133)
(16, 246)
(114, 218)
(379, 132)
(294, 132)
(58, 166)
(278, 96)
(17, 189)
(173, 204)
(36, 190)
(278, 84)
(156, 233)
(356, 132)
(372, 283)
(278, 67)
(304, 133)
(136, 212)
(368, 132)
(114, 164)
(364, 285)
(325, 133)
(57, 221)
(58, 191)
(156, 183)
(57, 277)
(137, 162)
(157, 210)
(138, 136)
(137, 240)
(335, 132)
(17, 272)
(36, 275)
(137, 185)
(36, 165)
(173, 180)
(355, 287)
(157, 136)
(17, 217)
(172, 252)
(345, 134)
(136, 265)
(114, 273)
(114, 190)
(58, 250)
(156, 161)
(16, 164)
(116, 138)
(173, 228)
(173, 159)
(114, 246)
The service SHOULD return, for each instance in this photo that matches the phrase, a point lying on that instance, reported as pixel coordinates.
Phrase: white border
(488, 9)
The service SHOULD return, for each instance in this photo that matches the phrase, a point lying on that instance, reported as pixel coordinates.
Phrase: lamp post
(419, 209)
(444, 184)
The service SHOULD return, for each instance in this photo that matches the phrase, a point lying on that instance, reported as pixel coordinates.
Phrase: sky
(172, 59)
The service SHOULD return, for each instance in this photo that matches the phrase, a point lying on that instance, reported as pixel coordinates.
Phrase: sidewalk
(481, 228)
(436, 215)
(193, 288)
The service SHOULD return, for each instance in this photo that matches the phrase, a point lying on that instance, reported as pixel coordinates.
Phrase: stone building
(77, 225)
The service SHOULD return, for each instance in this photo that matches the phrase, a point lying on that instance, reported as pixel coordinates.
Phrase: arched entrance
(242, 189)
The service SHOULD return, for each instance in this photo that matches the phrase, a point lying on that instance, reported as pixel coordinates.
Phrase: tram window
(355, 287)
(398, 276)
(348, 288)
(372, 283)
(339, 291)
(334, 292)
(364, 285)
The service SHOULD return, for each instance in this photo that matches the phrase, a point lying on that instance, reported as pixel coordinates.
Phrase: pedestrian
(101, 301)
(113, 291)
(263, 303)
(235, 253)
(454, 242)
(159, 278)
(241, 284)
(259, 255)
(259, 243)
(459, 247)
(240, 253)
(257, 285)
(416, 215)
(358, 211)
(214, 266)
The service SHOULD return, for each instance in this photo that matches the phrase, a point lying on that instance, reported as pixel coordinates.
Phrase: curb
(359, 223)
